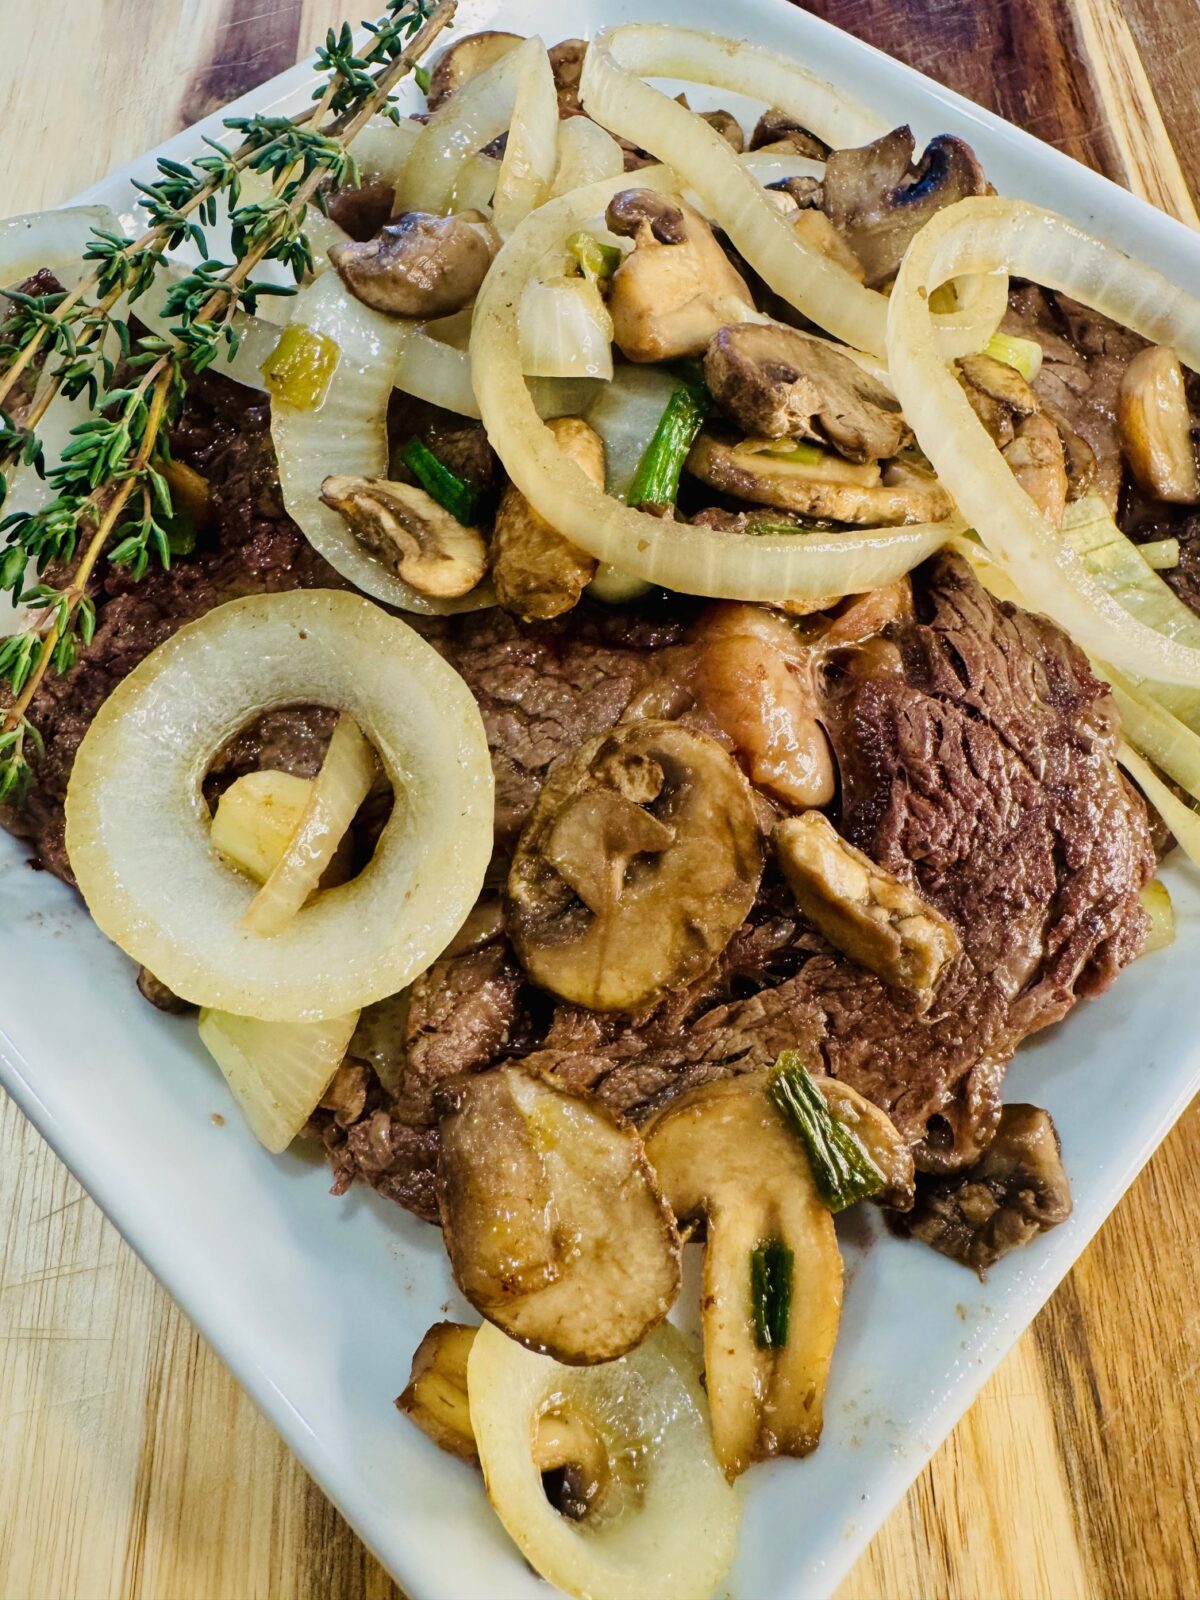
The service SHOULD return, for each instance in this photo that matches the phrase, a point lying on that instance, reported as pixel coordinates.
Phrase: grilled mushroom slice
(1017, 1189)
(724, 1155)
(553, 1220)
(774, 382)
(407, 528)
(435, 1396)
(867, 912)
(639, 862)
(1155, 426)
(419, 265)
(998, 393)
(677, 287)
(536, 571)
(758, 471)
(1039, 464)
(779, 130)
(467, 58)
(879, 200)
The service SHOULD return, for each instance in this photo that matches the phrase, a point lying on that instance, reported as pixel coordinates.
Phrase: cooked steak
(980, 768)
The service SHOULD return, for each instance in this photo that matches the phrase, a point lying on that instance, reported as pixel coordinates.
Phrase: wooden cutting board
(131, 1465)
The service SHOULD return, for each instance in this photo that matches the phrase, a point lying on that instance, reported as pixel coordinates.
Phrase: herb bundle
(110, 495)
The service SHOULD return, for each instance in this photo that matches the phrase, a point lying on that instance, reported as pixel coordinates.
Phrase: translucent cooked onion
(1156, 902)
(664, 1521)
(695, 560)
(347, 435)
(625, 415)
(613, 91)
(531, 150)
(433, 365)
(586, 153)
(341, 786)
(986, 235)
(257, 335)
(137, 825)
(565, 330)
(479, 111)
(276, 1071)
(1183, 822)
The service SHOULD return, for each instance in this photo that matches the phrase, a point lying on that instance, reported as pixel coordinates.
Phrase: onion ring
(987, 234)
(613, 91)
(137, 825)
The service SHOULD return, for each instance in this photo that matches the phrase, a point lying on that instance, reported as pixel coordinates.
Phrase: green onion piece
(596, 259)
(768, 527)
(843, 1170)
(424, 78)
(771, 1292)
(1161, 554)
(657, 477)
(798, 451)
(1023, 354)
(301, 366)
(439, 483)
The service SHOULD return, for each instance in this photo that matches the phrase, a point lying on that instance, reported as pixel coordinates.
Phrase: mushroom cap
(777, 383)
(419, 265)
(655, 824)
(404, 526)
(465, 59)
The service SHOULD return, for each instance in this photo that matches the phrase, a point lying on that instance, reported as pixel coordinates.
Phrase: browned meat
(458, 443)
(542, 690)
(980, 769)
(251, 547)
(1017, 1190)
(1084, 355)
(462, 1015)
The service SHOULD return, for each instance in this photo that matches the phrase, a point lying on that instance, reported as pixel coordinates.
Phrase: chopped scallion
(596, 259)
(301, 366)
(442, 485)
(1161, 554)
(771, 1292)
(656, 480)
(843, 1171)
(1023, 354)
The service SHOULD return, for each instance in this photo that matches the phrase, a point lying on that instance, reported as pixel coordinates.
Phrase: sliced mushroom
(1039, 465)
(1017, 1189)
(816, 230)
(777, 383)
(1155, 426)
(435, 1397)
(830, 488)
(419, 265)
(998, 393)
(552, 1217)
(676, 287)
(406, 528)
(744, 680)
(723, 1155)
(879, 200)
(467, 58)
(728, 126)
(778, 130)
(537, 572)
(867, 912)
(673, 873)
(566, 63)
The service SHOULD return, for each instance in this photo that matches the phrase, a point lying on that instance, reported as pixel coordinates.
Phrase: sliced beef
(543, 690)
(978, 764)
(251, 547)
(1016, 1190)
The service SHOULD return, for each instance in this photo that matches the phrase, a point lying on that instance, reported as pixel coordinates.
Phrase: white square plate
(317, 1304)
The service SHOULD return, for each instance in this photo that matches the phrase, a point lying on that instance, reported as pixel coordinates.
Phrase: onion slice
(137, 825)
(341, 786)
(1183, 822)
(692, 559)
(276, 1071)
(531, 150)
(565, 330)
(613, 91)
(347, 435)
(664, 1522)
(586, 153)
(987, 235)
(478, 112)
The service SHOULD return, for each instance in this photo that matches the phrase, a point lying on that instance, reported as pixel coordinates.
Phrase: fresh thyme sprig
(110, 493)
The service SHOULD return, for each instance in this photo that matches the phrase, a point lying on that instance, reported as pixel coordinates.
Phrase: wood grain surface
(131, 1465)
